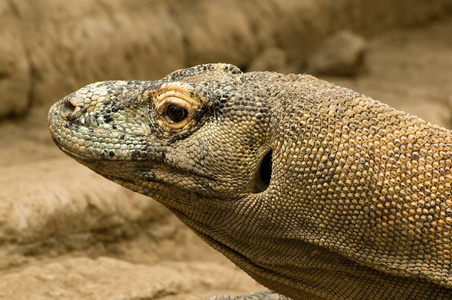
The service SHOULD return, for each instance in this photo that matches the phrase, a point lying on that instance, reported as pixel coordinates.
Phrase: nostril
(69, 109)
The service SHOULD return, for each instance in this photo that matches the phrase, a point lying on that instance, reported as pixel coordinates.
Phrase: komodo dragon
(314, 190)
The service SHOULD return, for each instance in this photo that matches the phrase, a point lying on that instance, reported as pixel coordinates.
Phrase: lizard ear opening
(265, 173)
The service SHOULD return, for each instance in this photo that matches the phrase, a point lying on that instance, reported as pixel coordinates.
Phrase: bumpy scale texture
(312, 189)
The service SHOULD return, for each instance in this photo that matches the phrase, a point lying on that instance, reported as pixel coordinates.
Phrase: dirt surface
(67, 233)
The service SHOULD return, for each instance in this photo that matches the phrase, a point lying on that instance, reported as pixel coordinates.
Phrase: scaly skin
(312, 189)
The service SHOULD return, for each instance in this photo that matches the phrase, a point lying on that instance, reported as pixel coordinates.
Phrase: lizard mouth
(67, 151)
(137, 174)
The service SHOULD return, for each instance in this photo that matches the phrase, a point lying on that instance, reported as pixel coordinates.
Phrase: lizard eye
(175, 113)
(175, 107)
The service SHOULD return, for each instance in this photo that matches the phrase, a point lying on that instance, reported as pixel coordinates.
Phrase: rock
(57, 217)
(108, 278)
(434, 112)
(273, 59)
(14, 66)
(342, 54)
(72, 44)
(43, 199)
(214, 32)
(51, 48)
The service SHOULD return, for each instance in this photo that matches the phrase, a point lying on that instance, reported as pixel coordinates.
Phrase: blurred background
(65, 232)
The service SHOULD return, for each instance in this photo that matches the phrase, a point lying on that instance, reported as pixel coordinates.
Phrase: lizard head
(199, 132)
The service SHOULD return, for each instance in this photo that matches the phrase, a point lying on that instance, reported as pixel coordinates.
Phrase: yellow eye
(175, 106)
(175, 113)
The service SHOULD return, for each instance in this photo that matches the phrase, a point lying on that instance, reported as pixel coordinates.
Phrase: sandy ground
(68, 233)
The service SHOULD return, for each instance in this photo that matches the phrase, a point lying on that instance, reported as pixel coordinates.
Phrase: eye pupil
(176, 113)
